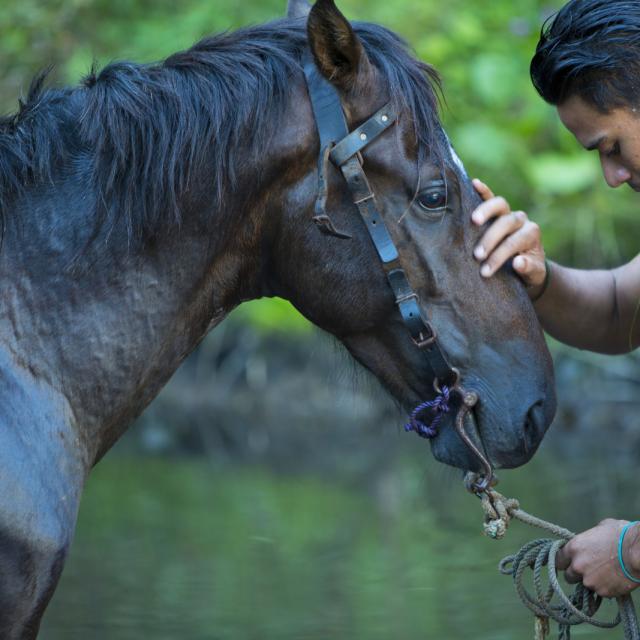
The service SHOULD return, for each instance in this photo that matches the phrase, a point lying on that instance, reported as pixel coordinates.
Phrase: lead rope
(569, 611)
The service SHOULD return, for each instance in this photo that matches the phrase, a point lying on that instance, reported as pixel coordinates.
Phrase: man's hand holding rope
(592, 557)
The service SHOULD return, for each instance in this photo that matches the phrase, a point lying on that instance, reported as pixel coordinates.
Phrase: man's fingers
(513, 245)
(483, 190)
(523, 265)
(511, 235)
(504, 231)
(563, 563)
(572, 577)
(530, 268)
(492, 208)
(563, 559)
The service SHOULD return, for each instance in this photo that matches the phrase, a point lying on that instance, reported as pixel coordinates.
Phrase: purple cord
(439, 406)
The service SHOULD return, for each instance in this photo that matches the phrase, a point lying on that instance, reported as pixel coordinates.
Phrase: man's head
(587, 64)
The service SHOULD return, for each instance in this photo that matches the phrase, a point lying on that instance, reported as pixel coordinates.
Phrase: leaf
(484, 145)
(272, 315)
(498, 79)
(562, 174)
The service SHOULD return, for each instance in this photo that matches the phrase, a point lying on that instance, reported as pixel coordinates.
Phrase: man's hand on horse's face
(510, 235)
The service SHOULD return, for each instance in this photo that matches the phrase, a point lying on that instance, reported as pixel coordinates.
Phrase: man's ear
(337, 50)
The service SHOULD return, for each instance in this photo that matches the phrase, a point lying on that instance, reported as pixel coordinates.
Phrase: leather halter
(343, 149)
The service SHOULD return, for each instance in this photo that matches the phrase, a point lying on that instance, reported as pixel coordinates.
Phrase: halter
(343, 148)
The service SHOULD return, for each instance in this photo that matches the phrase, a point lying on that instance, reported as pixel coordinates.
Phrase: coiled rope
(567, 611)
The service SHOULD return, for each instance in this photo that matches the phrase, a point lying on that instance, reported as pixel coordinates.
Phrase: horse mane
(143, 130)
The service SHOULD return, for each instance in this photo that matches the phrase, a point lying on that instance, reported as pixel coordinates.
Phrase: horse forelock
(147, 129)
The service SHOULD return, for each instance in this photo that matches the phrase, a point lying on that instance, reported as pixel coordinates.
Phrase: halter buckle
(421, 342)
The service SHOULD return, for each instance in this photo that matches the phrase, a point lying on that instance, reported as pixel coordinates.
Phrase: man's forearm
(581, 308)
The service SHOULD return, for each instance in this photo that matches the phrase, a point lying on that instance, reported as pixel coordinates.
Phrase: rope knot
(438, 407)
(498, 512)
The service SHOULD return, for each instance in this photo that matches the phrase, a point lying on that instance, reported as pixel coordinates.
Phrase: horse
(140, 207)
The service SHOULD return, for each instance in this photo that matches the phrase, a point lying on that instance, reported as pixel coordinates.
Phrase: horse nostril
(534, 426)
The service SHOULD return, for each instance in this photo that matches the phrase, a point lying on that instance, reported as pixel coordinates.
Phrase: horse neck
(107, 325)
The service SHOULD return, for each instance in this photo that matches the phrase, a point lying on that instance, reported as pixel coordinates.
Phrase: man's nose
(614, 173)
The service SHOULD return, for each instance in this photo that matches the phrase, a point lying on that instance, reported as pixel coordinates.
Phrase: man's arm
(595, 310)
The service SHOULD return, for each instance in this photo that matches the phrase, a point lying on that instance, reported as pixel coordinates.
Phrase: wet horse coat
(140, 208)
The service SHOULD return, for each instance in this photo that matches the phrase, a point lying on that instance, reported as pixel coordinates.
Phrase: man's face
(615, 135)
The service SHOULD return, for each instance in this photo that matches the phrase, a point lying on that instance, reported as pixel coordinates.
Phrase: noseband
(343, 149)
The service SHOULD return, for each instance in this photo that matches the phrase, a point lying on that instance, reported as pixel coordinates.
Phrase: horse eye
(433, 199)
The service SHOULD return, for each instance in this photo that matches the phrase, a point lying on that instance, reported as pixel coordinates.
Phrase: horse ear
(337, 50)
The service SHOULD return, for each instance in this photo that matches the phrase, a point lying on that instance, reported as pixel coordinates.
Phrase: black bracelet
(545, 284)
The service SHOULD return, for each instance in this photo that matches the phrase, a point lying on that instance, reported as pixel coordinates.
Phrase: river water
(182, 549)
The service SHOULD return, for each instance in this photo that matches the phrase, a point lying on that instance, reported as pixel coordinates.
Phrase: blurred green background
(502, 130)
(269, 492)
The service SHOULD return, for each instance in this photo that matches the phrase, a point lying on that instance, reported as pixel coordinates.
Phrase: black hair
(590, 49)
(141, 129)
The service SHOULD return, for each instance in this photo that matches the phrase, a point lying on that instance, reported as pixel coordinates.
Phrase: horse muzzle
(472, 441)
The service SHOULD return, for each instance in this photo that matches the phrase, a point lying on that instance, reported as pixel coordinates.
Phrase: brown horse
(140, 208)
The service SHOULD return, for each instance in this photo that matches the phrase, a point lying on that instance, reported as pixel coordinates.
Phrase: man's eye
(433, 199)
(615, 150)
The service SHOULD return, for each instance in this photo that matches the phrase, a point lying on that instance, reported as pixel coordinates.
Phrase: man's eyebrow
(595, 144)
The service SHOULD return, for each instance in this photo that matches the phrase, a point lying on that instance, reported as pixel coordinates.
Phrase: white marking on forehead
(455, 157)
(457, 160)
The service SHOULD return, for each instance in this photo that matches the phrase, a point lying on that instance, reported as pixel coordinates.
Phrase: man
(587, 64)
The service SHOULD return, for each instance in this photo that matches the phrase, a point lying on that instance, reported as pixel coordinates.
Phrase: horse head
(487, 328)
(139, 209)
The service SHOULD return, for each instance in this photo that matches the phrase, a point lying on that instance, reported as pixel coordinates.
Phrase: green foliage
(503, 131)
(559, 174)
(272, 314)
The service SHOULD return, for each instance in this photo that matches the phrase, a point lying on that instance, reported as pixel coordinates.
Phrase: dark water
(179, 549)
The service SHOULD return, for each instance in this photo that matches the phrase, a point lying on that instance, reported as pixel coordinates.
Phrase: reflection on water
(170, 549)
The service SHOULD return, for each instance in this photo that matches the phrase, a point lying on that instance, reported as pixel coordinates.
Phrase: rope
(567, 611)
(438, 406)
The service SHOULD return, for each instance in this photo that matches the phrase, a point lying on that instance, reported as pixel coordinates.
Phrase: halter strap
(345, 148)
(326, 105)
(364, 135)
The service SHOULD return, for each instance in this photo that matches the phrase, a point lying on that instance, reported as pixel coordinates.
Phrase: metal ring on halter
(455, 386)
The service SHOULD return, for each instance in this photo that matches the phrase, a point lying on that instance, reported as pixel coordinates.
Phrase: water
(172, 549)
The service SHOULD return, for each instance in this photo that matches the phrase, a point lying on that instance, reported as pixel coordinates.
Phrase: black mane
(142, 130)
